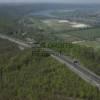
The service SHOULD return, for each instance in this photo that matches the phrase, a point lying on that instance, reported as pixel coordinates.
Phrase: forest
(31, 77)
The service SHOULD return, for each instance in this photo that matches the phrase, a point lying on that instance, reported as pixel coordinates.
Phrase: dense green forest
(7, 50)
(86, 55)
(31, 77)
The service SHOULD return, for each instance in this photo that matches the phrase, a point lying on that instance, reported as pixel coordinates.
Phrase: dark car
(76, 62)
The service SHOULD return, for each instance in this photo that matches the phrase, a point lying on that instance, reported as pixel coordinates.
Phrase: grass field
(94, 44)
(86, 34)
(68, 38)
(57, 25)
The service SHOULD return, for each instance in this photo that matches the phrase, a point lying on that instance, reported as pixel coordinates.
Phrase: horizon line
(48, 3)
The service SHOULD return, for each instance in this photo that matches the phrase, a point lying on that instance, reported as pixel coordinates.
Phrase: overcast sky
(66, 1)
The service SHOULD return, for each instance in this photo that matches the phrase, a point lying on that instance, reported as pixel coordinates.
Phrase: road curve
(80, 70)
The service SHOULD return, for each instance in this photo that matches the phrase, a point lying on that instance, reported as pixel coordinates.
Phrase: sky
(57, 1)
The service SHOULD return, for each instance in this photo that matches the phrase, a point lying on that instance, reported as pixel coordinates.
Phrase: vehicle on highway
(75, 61)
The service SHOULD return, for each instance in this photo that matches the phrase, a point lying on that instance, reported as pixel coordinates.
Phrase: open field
(86, 34)
(50, 29)
(93, 44)
(67, 38)
(59, 24)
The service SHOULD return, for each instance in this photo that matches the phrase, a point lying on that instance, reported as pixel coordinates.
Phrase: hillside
(41, 78)
(7, 50)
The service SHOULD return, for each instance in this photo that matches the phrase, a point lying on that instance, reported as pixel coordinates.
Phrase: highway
(17, 41)
(80, 70)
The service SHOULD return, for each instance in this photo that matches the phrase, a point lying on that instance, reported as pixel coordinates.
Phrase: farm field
(93, 44)
(86, 34)
(59, 24)
(62, 30)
